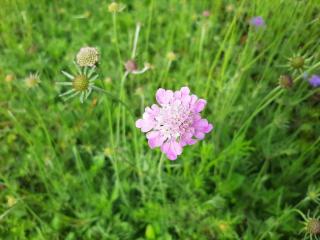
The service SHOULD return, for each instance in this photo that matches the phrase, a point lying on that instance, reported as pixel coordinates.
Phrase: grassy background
(83, 171)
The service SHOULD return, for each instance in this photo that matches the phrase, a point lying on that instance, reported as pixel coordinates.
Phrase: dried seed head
(87, 57)
(80, 83)
(11, 201)
(116, 7)
(108, 152)
(131, 66)
(297, 62)
(285, 81)
(313, 226)
(32, 80)
(230, 8)
(9, 78)
(171, 56)
(108, 80)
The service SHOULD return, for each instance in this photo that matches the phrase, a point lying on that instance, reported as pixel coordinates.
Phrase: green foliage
(84, 171)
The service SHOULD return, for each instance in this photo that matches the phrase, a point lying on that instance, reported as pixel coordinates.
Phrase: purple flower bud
(131, 66)
(314, 81)
(257, 22)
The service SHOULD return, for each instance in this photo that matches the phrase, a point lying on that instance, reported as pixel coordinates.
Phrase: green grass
(84, 171)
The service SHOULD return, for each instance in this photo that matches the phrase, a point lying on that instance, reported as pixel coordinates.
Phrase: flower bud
(285, 81)
(131, 66)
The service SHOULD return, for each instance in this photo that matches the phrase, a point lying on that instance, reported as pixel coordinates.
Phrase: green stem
(114, 22)
(160, 169)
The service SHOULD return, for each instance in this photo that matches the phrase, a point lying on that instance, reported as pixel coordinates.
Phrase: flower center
(313, 226)
(80, 83)
(174, 120)
(297, 62)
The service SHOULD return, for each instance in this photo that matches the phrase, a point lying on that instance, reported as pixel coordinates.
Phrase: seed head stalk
(135, 42)
(122, 115)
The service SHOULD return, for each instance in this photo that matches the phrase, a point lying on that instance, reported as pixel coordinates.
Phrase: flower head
(131, 66)
(116, 7)
(311, 225)
(81, 83)
(11, 201)
(313, 194)
(175, 122)
(171, 56)
(257, 22)
(314, 81)
(87, 57)
(32, 80)
(9, 78)
(298, 63)
(285, 81)
(230, 8)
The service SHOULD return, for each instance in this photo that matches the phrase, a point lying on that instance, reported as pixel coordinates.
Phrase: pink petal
(163, 96)
(209, 128)
(160, 95)
(155, 142)
(185, 91)
(200, 104)
(192, 141)
(199, 135)
(177, 94)
(176, 147)
(194, 98)
(200, 124)
(145, 124)
(186, 100)
(152, 134)
(155, 108)
(171, 157)
(169, 96)
(139, 123)
(166, 148)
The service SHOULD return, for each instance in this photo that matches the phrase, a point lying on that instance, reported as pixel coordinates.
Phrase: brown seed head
(297, 62)
(285, 81)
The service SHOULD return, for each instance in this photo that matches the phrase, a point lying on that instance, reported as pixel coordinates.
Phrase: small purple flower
(314, 81)
(257, 22)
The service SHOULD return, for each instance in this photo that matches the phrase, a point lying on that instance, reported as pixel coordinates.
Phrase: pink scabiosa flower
(175, 122)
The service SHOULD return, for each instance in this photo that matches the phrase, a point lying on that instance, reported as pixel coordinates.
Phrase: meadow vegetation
(72, 170)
